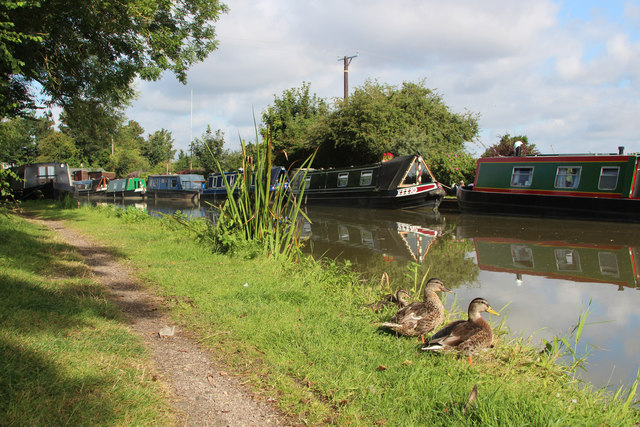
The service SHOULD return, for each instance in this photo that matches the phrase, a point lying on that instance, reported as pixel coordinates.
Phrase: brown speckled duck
(466, 336)
(420, 318)
(400, 299)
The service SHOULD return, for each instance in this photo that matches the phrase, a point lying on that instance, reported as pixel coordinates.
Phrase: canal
(540, 274)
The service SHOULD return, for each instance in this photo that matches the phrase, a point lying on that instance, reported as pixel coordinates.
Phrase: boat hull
(473, 201)
(425, 196)
(174, 195)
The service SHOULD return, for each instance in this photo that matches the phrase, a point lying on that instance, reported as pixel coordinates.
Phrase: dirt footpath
(203, 394)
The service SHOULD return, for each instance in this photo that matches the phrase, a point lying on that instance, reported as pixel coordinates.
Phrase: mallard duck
(400, 299)
(420, 318)
(466, 336)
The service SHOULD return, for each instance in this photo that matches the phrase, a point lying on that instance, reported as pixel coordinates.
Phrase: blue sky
(564, 73)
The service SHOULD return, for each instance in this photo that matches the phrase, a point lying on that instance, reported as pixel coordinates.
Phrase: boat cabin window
(174, 182)
(343, 179)
(522, 256)
(365, 177)
(608, 264)
(567, 177)
(567, 260)
(46, 173)
(608, 178)
(521, 177)
(307, 182)
(414, 174)
(153, 182)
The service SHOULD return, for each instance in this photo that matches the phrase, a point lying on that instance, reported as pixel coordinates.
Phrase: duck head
(479, 305)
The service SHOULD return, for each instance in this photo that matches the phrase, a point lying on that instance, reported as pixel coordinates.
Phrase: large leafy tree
(94, 49)
(381, 118)
(207, 147)
(377, 118)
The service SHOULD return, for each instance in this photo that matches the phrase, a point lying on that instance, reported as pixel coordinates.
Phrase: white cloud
(567, 84)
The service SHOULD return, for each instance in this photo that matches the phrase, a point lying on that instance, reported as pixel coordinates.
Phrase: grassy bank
(300, 334)
(68, 357)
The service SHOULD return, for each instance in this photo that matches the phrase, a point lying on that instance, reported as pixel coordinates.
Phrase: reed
(254, 212)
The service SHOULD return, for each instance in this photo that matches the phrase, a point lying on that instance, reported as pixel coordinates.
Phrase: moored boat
(176, 187)
(600, 187)
(216, 189)
(402, 182)
(126, 188)
(42, 180)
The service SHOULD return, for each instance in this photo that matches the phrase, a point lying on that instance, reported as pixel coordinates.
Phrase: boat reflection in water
(561, 250)
(355, 234)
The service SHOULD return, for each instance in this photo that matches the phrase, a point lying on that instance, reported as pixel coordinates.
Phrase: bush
(451, 168)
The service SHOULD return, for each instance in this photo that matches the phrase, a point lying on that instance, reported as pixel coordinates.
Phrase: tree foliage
(19, 138)
(377, 118)
(158, 148)
(506, 147)
(289, 121)
(94, 49)
(58, 147)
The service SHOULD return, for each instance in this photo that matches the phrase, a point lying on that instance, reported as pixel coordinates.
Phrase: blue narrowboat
(215, 188)
(175, 187)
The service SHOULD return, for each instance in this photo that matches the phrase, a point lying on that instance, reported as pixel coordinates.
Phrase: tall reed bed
(256, 213)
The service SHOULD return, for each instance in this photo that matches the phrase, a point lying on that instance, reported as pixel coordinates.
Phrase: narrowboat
(176, 187)
(99, 186)
(83, 187)
(126, 188)
(403, 182)
(599, 187)
(42, 180)
(215, 187)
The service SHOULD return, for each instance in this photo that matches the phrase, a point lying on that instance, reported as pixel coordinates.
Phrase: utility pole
(347, 61)
(191, 135)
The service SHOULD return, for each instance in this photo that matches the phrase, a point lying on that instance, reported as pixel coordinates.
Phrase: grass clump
(302, 334)
(68, 357)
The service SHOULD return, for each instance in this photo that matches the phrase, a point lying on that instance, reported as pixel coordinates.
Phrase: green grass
(67, 355)
(300, 333)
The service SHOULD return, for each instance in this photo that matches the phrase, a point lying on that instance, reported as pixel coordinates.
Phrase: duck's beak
(446, 290)
(492, 311)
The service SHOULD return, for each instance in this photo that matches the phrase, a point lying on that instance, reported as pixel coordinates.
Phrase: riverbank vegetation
(303, 334)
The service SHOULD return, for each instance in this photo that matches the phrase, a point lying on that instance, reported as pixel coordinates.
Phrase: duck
(467, 336)
(420, 318)
(400, 299)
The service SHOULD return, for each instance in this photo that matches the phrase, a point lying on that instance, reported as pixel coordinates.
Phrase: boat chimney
(621, 150)
(517, 148)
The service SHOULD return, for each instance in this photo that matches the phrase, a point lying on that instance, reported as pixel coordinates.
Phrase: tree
(58, 147)
(381, 118)
(19, 138)
(94, 49)
(206, 148)
(289, 121)
(93, 127)
(158, 147)
(506, 147)
(377, 118)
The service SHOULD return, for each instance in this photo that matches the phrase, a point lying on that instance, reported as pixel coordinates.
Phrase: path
(203, 394)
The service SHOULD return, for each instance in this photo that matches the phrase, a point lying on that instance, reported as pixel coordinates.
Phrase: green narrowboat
(600, 187)
(127, 188)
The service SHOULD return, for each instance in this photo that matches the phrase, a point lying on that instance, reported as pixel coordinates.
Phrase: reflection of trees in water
(446, 260)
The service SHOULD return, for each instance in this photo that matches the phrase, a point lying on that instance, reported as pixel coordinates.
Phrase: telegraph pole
(347, 61)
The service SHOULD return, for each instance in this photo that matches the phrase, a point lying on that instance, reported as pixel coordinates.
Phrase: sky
(564, 73)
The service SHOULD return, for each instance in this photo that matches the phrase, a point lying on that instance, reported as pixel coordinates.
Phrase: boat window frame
(173, 182)
(574, 185)
(366, 177)
(561, 256)
(307, 182)
(602, 169)
(517, 184)
(418, 163)
(343, 179)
